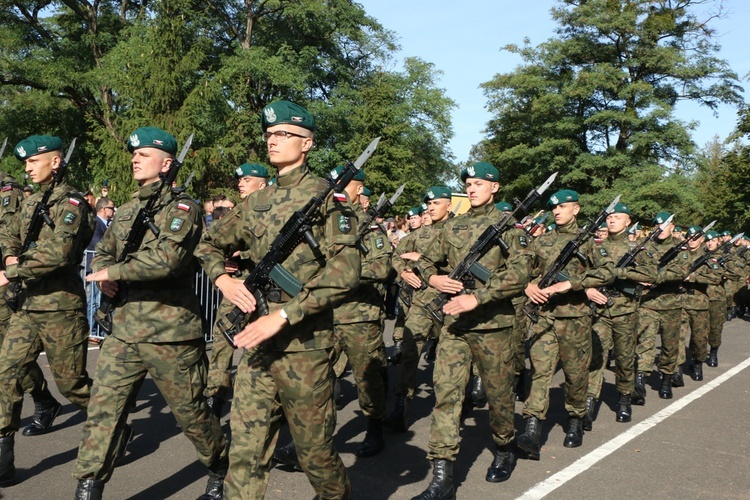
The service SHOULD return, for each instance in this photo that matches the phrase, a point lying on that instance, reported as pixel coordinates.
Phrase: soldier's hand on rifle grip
(596, 296)
(536, 294)
(446, 285)
(461, 304)
(234, 291)
(260, 330)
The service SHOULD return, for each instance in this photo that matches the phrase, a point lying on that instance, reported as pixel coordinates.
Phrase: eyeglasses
(280, 135)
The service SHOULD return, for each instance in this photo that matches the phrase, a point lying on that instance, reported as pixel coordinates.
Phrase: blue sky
(464, 41)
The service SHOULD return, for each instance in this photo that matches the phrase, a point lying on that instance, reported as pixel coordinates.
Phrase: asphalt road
(695, 445)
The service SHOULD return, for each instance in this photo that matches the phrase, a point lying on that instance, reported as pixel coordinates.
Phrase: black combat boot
(574, 437)
(7, 460)
(639, 394)
(713, 357)
(287, 455)
(215, 404)
(677, 379)
(665, 391)
(519, 386)
(697, 374)
(588, 419)
(530, 442)
(502, 465)
(374, 441)
(46, 408)
(396, 354)
(215, 485)
(478, 394)
(624, 410)
(397, 420)
(89, 489)
(441, 486)
(431, 351)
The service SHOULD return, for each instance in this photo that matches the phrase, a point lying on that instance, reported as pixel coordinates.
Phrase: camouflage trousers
(179, 371)
(492, 353)
(698, 322)
(33, 380)
(650, 324)
(717, 315)
(362, 344)
(219, 382)
(419, 327)
(617, 333)
(684, 338)
(520, 330)
(63, 335)
(559, 339)
(302, 384)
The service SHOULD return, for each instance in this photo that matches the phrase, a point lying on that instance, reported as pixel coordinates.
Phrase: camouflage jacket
(696, 285)
(365, 302)
(158, 278)
(419, 242)
(328, 274)
(664, 294)
(597, 270)
(11, 195)
(509, 273)
(49, 269)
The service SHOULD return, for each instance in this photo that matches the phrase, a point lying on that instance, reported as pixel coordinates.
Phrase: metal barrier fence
(208, 295)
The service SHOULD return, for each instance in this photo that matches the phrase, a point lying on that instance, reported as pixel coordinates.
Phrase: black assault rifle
(38, 220)
(269, 272)
(143, 223)
(469, 267)
(571, 249)
(377, 212)
(724, 248)
(673, 252)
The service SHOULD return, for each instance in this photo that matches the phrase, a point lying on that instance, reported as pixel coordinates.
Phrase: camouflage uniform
(51, 314)
(156, 332)
(358, 324)
(482, 335)
(563, 332)
(293, 369)
(717, 302)
(695, 304)
(11, 197)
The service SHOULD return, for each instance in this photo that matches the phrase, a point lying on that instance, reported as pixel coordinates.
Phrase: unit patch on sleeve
(69, 218)
(379, 243)
(603, 252)
(183, 206)
(176, 224)
(345, 224)
(523, 240)
(6, 201)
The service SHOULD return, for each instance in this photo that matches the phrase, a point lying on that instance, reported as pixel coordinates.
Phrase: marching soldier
(478, 327)
(291, 368)
(51, 315)
(157, 331)
(716, 301)
(251, 177)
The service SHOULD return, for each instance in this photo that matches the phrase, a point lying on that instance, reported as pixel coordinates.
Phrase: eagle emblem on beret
(470, 171)
(430, 195)
(554, 200)
(134, 141)
(21, 151)
(270, 114)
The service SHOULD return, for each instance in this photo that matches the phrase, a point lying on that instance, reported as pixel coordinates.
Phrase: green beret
(251, 170)
(603, 225)
(693, 230)
(366, 192)
(336, 172)
(279, 112)
(481, 170)
(551, 227)
(726, 233)
(677, 229)
(436, 192)
(424, 207)
(621, 208)
(414, 211)
(711, 235)
(152, 137)
(562, 196)
(36, 145)
(661, 217)
(504, 206)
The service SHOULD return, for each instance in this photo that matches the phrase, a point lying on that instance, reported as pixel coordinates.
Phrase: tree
(597, 102)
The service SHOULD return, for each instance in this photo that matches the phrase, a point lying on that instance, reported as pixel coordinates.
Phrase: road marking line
(550, 484)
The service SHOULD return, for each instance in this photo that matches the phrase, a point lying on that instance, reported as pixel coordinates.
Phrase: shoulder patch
(523, 240)
(7, 187)
(344, 223)
(6, 201)
(379, 243)
(176, 224)
(74, 202)
(69, 218)
(184, 207)
(603, 252)
(262, 208)
(340, 197)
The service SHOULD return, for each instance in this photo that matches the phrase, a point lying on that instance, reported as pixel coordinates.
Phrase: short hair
(101, 203)
(220, 212)
(218, 197)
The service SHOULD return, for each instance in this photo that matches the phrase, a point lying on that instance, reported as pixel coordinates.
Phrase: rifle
(39, 218)
(628, 260)
(469, 267)
(269, 271)
(2, 148)
(455, 210)
(378, 211)
(186, 185)
(534, 226)
(675, 250)
(724, 248)
(570, 250)
(143, 223)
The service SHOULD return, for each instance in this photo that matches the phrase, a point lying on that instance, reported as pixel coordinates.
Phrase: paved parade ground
(696, 445)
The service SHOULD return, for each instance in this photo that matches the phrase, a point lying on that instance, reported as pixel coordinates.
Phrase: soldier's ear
(576, 209)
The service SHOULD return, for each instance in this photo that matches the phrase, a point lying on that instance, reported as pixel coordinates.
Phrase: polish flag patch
(74, 202)
(340, 197)
(7, 188)
(183, 206)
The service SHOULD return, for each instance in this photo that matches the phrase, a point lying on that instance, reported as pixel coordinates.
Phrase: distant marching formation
(308, 274)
